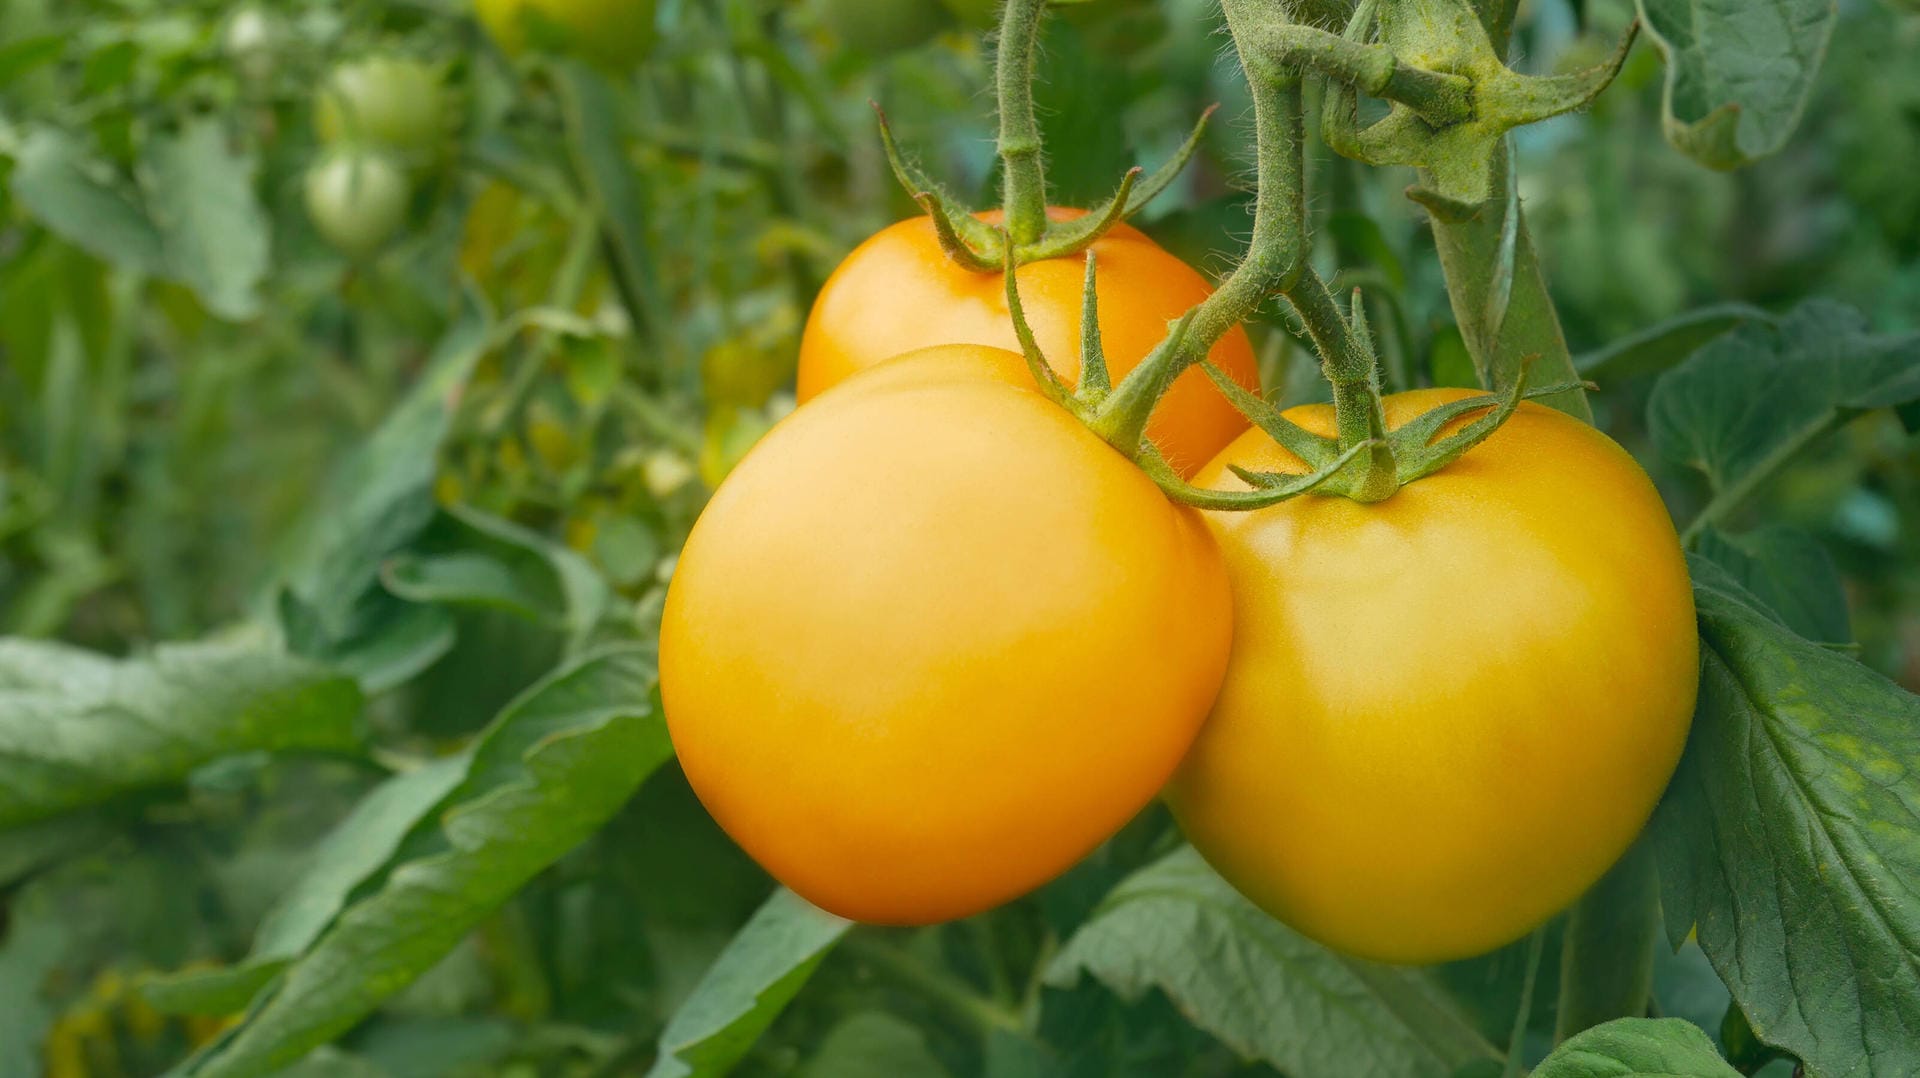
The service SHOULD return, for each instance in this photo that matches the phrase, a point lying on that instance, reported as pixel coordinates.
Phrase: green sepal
(1096, 378)
(980, 238)
(1312, 448)
(1457, 159)
(1272, 489)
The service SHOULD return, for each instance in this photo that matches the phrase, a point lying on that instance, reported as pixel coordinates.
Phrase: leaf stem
(1517, 1040)
(1735, 494)
(1439, 97)
(1024, 182)
(983, 1014)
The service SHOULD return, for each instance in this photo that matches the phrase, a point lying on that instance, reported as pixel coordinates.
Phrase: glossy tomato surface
(1448, 713)
(898, 292)
(357, 200)
(932, 641)
(614, 32)
(394, 103)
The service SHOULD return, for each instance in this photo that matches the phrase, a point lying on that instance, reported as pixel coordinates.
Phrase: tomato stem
(1024, 181)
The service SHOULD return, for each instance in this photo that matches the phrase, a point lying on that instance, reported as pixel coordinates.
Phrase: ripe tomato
(898, 291)
(933, 641)
(617, 33)
(1447, 713)
(357, 200)
(393, 103)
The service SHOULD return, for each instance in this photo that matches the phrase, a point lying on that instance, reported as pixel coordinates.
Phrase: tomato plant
(491, 582)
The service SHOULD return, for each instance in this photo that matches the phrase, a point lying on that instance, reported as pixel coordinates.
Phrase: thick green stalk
(1606, 957)
(1440, 98)
(1024, 181)
(1500, 300)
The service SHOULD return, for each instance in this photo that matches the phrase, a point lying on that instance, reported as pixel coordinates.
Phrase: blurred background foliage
(185, 359)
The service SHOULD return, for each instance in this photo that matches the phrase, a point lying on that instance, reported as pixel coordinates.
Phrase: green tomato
(881, 27)
(250, 39)
(394, 103)
(357, 200)
(616, 33)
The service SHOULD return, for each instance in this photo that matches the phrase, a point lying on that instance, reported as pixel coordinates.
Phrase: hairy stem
(1024, 190)
(1438, 97)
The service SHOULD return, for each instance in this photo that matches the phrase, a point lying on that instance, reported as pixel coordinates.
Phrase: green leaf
(1738, 74)
(1629, 1047)
(77, 730)
(1662, 345)
(1742, 406)
(1791, 836)
(351, 854)
(34, 945)
(593, 109)
(758, 974)
(1791, 572)
(26, 850)
(1267, 992)
(381, 497)
(200, 196)
(482, 560)
(74, 197)
(548, 772)
(873, 1044)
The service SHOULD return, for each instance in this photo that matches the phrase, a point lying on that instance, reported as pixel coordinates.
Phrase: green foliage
(1637, 1046)
(1782, 831)
(1268, 993)
(328, 578)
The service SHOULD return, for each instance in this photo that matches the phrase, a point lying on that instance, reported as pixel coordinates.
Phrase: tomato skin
(617, 33)
(1447, 713)
(899, 291)
(392, 103)
(357, 200)
(932, 642)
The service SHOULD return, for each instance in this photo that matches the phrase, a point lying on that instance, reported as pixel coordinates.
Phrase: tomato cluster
(384, 120)
(933, 640)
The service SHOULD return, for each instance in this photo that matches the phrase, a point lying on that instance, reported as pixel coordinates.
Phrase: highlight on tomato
(1448, 713)
(357, 200)
(933, 641)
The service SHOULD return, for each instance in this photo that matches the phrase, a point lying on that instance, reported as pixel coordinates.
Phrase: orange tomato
(898, 292)
(933, 641)
(1447, 713)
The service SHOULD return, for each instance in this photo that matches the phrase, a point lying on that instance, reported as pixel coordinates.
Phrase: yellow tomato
(933, 641)
(1448, 713)
(614, 32)
(899, 291)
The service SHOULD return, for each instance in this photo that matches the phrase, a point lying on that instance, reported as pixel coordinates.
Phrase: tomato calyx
(1030, 234)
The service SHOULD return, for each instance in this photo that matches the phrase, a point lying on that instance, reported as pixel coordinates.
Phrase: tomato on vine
(900, 291)
(1450, 711)
(933, 641)
(357, 200)
(395, 104)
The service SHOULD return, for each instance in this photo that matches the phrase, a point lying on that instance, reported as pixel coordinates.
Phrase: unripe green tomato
(616, 33)
(880, 27)
(250, 39)
(395, 103)
(357, 199)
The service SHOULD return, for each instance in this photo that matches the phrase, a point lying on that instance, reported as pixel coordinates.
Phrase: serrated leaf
(381, 497)
(481, 560)
(1736, 407)
(77, 731)
(758, 974)
(69, 193)
(549, 771)
(1791, 572)
(1264, 990)
(200, 195)
(1738, 72)
(352, 853)
(1664, 344)
(1790, 839)
(873, 1044)
(1630, 1047)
